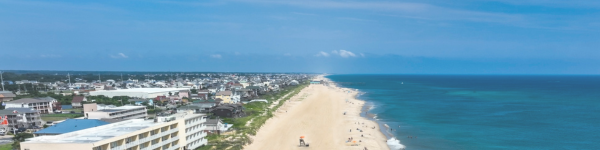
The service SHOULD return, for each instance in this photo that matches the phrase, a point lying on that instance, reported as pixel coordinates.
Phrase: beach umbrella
(301, 137)
(353, 141)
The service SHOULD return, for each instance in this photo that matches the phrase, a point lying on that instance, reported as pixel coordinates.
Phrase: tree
(194, 91)
(20, 137)
(170, 93)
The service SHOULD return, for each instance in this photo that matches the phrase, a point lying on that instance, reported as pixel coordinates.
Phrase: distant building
(70, 125)
(226, 96)
(140, 101)
(22, 117)
(123, 112)
(139, 92)
(40, 104)
(6, 96)
(77, 101)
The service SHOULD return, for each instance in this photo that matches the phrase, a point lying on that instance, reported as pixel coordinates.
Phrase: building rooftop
(11, 111)
(95, 134)
(71, 125)
(121, 108)
(29, 100)
(223, 93)
(146, 90)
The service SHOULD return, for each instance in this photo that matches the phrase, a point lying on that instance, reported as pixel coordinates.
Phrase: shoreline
(326, 116)
(391, 140)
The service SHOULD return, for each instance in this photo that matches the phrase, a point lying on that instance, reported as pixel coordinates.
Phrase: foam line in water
(394, 144)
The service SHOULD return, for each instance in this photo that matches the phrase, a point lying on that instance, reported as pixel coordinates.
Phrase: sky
(326, 36)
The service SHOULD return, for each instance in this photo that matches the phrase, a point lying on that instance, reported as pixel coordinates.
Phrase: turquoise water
(484, 112)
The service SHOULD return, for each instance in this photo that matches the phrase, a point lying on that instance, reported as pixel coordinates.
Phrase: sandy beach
(317, 113)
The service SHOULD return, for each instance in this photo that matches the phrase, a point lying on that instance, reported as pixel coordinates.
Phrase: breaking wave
(394, 144)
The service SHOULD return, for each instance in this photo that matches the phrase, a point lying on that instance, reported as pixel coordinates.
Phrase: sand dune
(317, 113)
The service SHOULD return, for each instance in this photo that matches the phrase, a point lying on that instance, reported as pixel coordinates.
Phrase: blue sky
(413, 37)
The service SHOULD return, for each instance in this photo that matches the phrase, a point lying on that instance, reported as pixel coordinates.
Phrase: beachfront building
(228, 111)
(70, 125)
(181, 131)
(41, 104)
(123, 113)
(216, 126)
(139, 92)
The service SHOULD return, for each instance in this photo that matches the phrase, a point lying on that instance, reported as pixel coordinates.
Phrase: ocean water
(481, 112)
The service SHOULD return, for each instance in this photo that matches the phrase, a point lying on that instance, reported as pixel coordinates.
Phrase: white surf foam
(394, 144)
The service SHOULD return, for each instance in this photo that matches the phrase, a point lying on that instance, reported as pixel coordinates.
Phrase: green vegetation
(6, 147)
(57, 117)
(20, 137)
(76, 110)
(258, 113)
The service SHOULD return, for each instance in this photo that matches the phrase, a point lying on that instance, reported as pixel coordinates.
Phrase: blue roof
(71, 125)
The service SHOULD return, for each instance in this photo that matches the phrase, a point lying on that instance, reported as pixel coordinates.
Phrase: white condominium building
(181, 131)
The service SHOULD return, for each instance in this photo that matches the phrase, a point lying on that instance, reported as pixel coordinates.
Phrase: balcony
(173, 147)
(132, 144)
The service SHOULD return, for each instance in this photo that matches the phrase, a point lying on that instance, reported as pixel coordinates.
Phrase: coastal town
(166, 111)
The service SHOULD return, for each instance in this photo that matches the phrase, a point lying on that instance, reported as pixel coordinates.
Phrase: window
(154, 141)
(129, 140)
(141, 136)
(153, 132)
(144, 145)
(113, 145)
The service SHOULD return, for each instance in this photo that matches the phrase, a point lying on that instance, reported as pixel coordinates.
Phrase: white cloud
(119, 55)
(322, 53)
(343, 53)
(362, 55)
(216, 56)
(287, 54)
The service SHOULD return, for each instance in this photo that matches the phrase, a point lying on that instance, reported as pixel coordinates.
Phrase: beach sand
(317, 113)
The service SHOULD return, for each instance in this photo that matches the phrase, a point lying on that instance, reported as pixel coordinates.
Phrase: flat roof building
(138, 92)
(70, 125)
(123, 112)
(176, 132)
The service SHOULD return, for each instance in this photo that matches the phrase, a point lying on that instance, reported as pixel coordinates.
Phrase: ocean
(482, 112)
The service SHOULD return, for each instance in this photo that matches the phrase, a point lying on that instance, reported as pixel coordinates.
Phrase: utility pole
(2, 80)
(69, 75)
